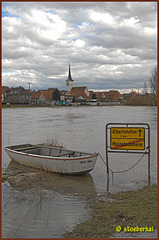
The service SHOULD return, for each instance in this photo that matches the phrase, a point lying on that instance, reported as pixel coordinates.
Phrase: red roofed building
(99, 95)
(4, 90)
(80, 93)
(111, 96)
(46, 96)
(106, 95)
(131, 95)
(66, 96)
(90, 93)
(35, 97)
(114, 95)
(18, 95)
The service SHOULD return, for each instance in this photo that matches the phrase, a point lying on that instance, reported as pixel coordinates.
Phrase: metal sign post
(128, 138)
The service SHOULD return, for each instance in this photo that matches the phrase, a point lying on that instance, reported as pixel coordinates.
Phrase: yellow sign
(126, 138)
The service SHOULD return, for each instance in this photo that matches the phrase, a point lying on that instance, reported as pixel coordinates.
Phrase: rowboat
(53, 159)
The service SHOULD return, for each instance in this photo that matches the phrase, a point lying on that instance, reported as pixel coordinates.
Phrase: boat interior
(47, 151)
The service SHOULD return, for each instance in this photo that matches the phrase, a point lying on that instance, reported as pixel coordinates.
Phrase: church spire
(69, 81)
(69, 74)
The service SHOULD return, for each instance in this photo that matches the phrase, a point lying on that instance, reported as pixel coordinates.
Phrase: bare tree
(145, 88)
(153, 84)
(153, 81)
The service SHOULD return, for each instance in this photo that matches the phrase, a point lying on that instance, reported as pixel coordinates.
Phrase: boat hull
(71, 165)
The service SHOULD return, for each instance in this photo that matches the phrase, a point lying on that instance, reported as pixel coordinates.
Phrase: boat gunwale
(53, 158)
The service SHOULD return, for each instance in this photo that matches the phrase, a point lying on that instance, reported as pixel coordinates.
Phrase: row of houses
(19, 95)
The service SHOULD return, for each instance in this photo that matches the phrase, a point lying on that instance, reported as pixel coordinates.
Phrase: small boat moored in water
(54, 159)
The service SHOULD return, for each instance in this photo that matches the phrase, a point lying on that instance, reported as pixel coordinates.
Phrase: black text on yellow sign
(127, 138)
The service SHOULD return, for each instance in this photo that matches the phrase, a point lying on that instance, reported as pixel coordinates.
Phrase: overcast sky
(110, 45)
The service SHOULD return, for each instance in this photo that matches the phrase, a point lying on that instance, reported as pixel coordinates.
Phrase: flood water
(45, 210)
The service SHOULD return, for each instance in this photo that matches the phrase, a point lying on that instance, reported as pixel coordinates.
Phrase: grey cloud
(112, 54)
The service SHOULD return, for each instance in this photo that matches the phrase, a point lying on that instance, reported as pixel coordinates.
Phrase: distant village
(71, 96)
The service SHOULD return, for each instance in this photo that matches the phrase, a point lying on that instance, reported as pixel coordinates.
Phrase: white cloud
(102, 17)
(149, 30)
(130, 22)
(79, 43)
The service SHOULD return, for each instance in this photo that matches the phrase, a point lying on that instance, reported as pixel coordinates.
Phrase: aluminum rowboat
(53, 159)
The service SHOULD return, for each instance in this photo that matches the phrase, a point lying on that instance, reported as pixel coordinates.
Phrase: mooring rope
(122, 170)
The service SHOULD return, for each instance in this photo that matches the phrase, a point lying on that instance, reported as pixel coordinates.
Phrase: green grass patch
(133, 208)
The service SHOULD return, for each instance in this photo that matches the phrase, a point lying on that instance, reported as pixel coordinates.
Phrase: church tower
(69, 81)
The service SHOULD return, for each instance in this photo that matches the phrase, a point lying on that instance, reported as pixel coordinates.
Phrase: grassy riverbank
(133, 208)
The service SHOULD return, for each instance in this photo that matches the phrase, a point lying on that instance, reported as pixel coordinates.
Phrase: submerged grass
(133, 208)
(52, 142)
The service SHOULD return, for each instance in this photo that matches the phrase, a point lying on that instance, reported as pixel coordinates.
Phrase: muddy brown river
(48, 205)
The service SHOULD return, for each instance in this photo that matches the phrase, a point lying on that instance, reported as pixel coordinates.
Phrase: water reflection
(40, 213)
(37, 203)
(80, 185)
